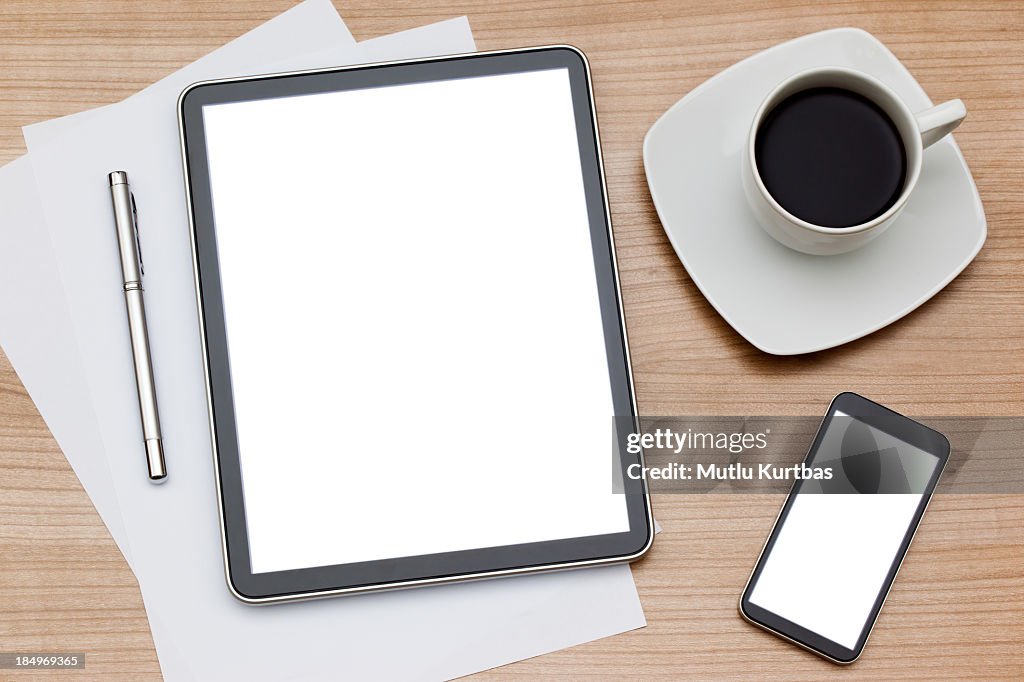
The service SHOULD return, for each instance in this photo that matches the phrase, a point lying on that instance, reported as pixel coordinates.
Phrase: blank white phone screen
(415, 338)
(834, 550)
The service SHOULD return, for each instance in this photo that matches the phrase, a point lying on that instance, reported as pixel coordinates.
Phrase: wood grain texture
(954, 612)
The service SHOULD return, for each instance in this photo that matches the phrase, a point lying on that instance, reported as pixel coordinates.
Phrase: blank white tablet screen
(413, 325)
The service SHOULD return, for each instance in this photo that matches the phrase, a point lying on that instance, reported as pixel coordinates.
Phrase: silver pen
(126, 222)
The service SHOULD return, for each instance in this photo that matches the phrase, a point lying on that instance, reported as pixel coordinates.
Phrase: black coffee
(831, 157)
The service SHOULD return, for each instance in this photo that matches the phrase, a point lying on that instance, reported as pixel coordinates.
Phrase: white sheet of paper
(47, 362)
(35, 322)
(179, 564)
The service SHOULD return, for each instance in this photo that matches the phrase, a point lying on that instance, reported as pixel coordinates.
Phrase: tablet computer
(411, 324)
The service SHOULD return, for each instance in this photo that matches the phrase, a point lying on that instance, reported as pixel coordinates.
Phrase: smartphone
(838, 542)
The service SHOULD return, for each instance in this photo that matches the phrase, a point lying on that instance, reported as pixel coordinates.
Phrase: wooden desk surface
(954, 612)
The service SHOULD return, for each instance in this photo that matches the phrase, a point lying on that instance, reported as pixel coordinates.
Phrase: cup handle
(939, 121)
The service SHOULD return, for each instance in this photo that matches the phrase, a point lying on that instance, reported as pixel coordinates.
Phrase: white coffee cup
(918, 131)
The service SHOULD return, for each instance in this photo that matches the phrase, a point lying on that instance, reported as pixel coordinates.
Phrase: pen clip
(138, 241)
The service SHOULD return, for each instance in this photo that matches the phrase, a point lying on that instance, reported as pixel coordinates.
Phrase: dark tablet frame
(435, 568)
(898, 426)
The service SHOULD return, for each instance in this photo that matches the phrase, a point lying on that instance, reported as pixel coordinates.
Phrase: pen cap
(127, 235)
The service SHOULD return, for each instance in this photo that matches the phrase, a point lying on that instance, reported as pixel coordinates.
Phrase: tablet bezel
(304, 583)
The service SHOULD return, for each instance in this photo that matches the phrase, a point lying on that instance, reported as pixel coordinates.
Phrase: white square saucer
(782, 301)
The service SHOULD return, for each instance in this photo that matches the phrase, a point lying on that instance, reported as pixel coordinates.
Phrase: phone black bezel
(898, 426)
(434, 568)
